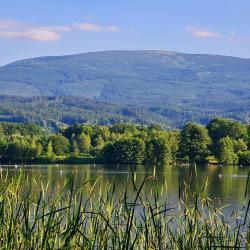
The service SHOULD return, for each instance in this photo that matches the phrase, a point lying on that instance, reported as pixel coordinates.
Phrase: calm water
(226, 185)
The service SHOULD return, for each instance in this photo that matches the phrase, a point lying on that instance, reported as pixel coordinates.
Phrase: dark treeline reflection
(224, 184)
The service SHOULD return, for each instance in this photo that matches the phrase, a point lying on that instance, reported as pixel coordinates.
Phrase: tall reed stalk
(89, 218)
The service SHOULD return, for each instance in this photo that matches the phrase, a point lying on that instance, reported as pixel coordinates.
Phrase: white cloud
(58, 28)
(96, 28)
(37, 35)
(12, 29)
(15, 29)
(201, 32)
(8, 24)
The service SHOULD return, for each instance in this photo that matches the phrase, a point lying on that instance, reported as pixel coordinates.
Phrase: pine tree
(50, 152)
(84, 143)
(75, 149)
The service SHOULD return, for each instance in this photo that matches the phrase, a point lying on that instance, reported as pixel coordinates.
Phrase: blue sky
(30, 28)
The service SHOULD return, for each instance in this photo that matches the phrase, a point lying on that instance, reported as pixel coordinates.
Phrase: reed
(91, 218)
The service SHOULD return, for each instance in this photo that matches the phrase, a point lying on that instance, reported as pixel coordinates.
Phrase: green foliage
(221, 127)
(123, 128)
(19, 149)
(75, 149)
(129, 150)
(3, 148)
(84, 143)
(54, 113)
(35, 149)
(3, 142)
(248, 131)
(226, 151)
(99, 142)
(244, 158)
(123, 143)
(60, 144)
(239, 146)
(229, 139)
(50, 152)
(212, 159)
(158, 150)
(194, 142)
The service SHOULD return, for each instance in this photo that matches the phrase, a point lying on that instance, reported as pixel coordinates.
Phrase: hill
(175, 86)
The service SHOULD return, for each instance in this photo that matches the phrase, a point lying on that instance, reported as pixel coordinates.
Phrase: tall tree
(84, 143)
(130, 150)
(19, 149)
(226, 151)
(194, 142)
(222, 127)
(49, 150)
(158, 150)
(75, 149)
(60, 144)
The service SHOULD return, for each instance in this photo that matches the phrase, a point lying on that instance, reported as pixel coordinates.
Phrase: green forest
(56, 112)
(221, 141)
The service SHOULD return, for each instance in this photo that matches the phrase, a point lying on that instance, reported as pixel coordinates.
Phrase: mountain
(174, 86)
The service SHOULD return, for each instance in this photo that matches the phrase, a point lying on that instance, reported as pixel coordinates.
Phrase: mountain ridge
(101, 51)
(153, 79)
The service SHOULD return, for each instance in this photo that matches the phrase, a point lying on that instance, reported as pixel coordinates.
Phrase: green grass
(91, 218)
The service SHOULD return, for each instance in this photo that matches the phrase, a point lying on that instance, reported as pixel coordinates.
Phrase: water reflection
(226, 184)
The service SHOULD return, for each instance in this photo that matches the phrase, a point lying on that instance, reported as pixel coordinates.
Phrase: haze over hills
(176, 87)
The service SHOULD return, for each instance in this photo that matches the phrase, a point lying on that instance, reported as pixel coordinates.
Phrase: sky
(32, 28)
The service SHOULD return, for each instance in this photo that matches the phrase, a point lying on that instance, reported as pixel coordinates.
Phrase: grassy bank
(91, 218)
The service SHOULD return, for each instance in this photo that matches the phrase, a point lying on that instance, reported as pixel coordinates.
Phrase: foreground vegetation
(90, 218)
(222, 141)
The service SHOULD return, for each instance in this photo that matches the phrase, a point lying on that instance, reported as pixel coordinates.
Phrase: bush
(244, 158)
(212, 159)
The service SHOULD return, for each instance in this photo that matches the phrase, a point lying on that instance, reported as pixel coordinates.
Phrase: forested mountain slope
(175, 86)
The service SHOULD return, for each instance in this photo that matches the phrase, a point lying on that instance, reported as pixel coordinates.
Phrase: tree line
(222, 141)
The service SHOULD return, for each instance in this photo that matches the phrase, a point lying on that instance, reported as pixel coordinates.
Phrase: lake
(225, 185)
